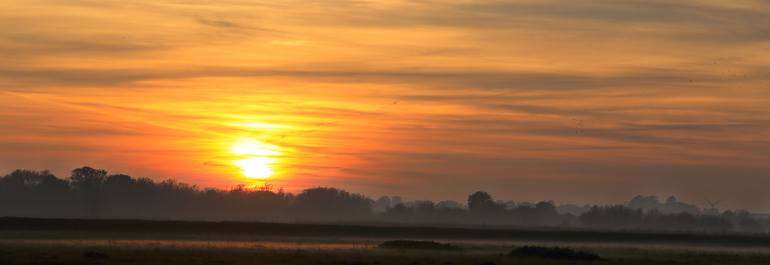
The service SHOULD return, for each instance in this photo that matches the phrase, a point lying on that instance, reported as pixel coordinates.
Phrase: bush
(553, 253)
(422, 245)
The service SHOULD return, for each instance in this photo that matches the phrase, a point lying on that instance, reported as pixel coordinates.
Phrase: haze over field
(575, 101)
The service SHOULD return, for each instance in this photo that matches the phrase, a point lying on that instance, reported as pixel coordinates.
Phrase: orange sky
(529, 100)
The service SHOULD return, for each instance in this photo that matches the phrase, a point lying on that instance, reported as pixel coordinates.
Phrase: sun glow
(255, 167)
(256, 158)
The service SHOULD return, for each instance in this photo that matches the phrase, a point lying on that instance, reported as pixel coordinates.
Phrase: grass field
(170, 252)
(38, 241)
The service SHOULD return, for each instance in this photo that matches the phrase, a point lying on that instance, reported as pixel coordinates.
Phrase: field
(38, 241)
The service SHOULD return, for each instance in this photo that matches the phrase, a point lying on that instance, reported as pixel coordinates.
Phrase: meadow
(50, 241)
(185, 252)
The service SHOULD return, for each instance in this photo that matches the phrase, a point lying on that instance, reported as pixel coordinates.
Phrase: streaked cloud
(528, 99)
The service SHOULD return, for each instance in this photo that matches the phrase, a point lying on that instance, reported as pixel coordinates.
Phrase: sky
(574, 101)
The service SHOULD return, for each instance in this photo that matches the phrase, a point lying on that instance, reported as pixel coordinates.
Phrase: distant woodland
(94, 193)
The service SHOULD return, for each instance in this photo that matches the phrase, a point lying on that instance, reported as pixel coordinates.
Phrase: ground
(286, 252)
(48, 241)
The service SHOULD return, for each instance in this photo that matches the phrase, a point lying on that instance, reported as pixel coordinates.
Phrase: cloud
(565, 97)
(218, 23)
(512, 80)
(694, 20)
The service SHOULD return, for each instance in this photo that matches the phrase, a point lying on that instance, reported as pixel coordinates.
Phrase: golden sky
(577, 101)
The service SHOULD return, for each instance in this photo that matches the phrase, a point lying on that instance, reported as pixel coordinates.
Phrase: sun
(256, 158)
(255, 167)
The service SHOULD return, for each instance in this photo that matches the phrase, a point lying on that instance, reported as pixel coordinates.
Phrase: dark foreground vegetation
(419, 245)
(96, 194)
(117, 253)
(558, 253)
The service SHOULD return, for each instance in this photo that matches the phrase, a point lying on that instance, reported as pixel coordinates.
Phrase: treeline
(93, 193)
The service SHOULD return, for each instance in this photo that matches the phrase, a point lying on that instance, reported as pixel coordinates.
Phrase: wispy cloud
(556, 97)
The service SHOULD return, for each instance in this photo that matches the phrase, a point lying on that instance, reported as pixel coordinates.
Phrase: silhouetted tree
(745, 223)
(399, 213)
(546, 214)
(449, 205)
(671, 206)
(484, 208)
(92, 193)
(616, 216)
(382, 204)
(330, 204)
(89, 181)
(480, 201)
(35, 194)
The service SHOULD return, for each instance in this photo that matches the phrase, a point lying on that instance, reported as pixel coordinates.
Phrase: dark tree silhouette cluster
(94, 193)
